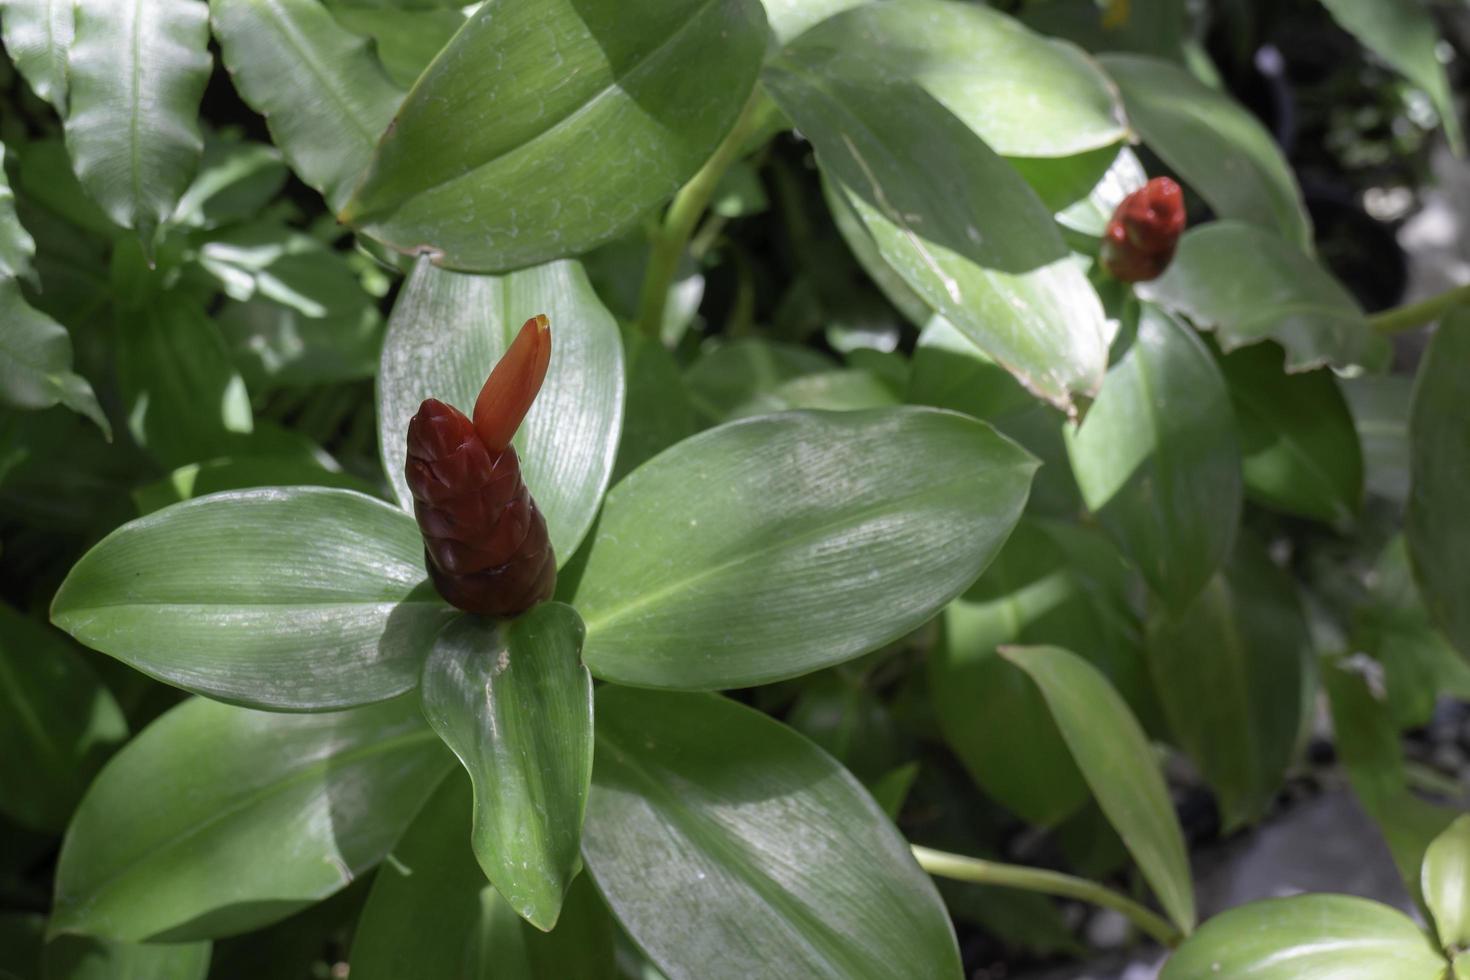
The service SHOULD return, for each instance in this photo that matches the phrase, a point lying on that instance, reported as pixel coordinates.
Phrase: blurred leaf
(738, 371)
(430, 889)
(1439, 455)
(658, 411)
(774, 546)
(324, 96)
(38, 36)
(789, 18)
(1229, 670)
(1157, 461)
(845, 718)
(241, 473)
(1307, 936)
(58, 727)
(843, 390)
(1380, 407)
(1248, 286)
(137, 71)
(710, 821)
(168, 843)
(22, 935)
(543, 130)
(1090, 215)
(1114, 756)
(294, 599)
(865, 250)
(446, 333)
(514, 703)
(236, 180)
(739, 193)
(1157, 27)
(1215, 145)
(406, 40)
(36, 358)
(1446, 884)
(956, 222)
(85, 958)
(17, 247)
(949, 371)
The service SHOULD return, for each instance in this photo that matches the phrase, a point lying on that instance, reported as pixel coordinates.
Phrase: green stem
(960, 868)
(1402, 318)
(684, 214)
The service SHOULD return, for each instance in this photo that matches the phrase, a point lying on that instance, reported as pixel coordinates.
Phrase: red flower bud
(1144, 230)
(485, 543)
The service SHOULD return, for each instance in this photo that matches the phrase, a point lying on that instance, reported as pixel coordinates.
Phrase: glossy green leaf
(729, 846)
(1403, 33)
(738, 371)
(242, 473)
(58, 725)
(545, 129)
(774, 546)
(297, 598)
(170, 843)
(658, 411)
(137, 71)
(992, 714)
(38, 36)
(1380, 406)
(976, 62)
(325, 97)
(446, 333)
(1213, 143)
(1446, 884)
(36, 360)
(951, 217)
(1299, 449)
(405, 40)
(1114, 756)
(1229, 670)
(432, 914)
(87, 958)
(1307, 937)
(1157, 461)
(1248, 286)
(1439, 455)
(514, 703)
(865, 250)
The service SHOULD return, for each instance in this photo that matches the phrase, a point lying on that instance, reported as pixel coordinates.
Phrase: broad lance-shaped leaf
(292, 599)
(1230, 669)
(1114, 756)
(1439, 456)
(951, 218)
(1307, 937)
(1156, 458)
(89, 958)
(542, 130)
(446, 333)
(38, 35)
(1249, 285)
(138, 70)
(1446, 884)
(774, 546)
(404, 39)
(431, 913)
(325, 97)
(169, 843)
(514, 703)
(1213, 144)
(728, 846)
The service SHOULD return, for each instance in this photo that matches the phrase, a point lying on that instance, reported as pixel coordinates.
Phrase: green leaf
(514, 703)
(406, 40)
(789, 18)
(325, 97)
(738, 371)
(1307, 937)
(430, 888)
(1114, 756)
(295, 599)
(1439, 455)
(446, 333)
(865, 250)
(1380, 407)
(38, 35)
(1213, 144)
(36, 358)
(975, 61)
(729, 846)
(775, 546)
(951, 217)
(658, 410)
(86, 958)
(1299, 449)
(58, 726)
(22, 935)
(172, 840)
(241, 473)
(991, 713)
(1446, 884)
(1157, 27)
(1090, 215)
(949, 371)
(1249, 286)
(1229, 670)
(237, 179)
(1403, 33)
(545, 129)
(182, 395)
(842, 390)
(17, 247)
(1156, 458)
(138, 70)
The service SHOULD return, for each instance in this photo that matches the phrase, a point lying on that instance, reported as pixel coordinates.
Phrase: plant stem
(684, 214)
(1402, 318)
(960, 868)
